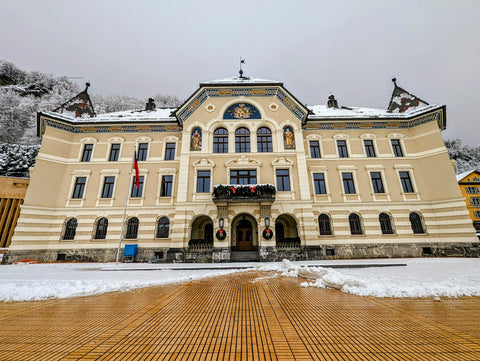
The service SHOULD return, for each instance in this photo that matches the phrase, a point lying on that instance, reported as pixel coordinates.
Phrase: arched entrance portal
(245, 233)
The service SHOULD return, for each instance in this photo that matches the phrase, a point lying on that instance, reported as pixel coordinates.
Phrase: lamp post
(221, 234)
(267, 232)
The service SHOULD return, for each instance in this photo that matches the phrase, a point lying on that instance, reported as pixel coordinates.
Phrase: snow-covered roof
(465, 174)
(323, 111)
(157, 115)
(240, 80)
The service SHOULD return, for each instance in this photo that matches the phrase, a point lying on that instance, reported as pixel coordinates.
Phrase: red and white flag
(135, 166)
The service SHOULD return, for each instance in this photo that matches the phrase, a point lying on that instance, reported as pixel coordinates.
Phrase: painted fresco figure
(196, 143)
(288, 136)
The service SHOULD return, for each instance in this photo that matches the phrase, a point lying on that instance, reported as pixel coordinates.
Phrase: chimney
(150, 105)
(332, 102)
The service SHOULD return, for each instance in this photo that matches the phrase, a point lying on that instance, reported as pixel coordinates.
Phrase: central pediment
(241, 88)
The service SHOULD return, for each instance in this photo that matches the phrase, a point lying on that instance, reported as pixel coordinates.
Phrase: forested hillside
(24, 93)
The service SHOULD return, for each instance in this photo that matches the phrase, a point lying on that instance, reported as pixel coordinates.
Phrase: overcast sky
(346, 47)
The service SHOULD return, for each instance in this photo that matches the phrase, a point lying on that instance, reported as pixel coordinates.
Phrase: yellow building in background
(12, 194)
(469, 183)
(243, 170)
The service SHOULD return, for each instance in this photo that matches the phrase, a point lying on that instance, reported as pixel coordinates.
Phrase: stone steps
(244, 256)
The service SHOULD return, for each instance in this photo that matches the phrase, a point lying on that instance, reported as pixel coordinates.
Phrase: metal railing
(200, 245)
(288, 243)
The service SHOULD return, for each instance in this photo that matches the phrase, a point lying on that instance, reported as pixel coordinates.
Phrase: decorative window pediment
(243, 161)
(282, 162)
(204, 163)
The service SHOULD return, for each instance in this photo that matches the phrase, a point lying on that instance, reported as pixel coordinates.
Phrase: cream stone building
(243, 170)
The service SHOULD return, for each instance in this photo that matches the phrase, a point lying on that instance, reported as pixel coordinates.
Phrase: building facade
(469, 183)
(243, 170)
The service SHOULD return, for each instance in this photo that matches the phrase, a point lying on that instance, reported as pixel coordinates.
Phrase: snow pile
(419, 278)
(34, 282)
(433, 277)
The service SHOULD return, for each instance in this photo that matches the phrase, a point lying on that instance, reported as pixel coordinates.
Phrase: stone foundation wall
(266, 254)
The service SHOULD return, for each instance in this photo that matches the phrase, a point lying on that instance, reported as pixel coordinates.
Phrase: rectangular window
(203, 181)
(87, 152)
(397, 147)
(170, 151)
(79, 187)
(342, 148)
(314, 149)
(114, 153)
(243, 177)
(475, 201)
(406, 182)
(142, 151)
(476, 214)
(319, 183)
(377, 183)
(283, 180)
(167, 184)
(472, 190)
(369, 149)
(137, 192)
(348, 185)
(108, 185)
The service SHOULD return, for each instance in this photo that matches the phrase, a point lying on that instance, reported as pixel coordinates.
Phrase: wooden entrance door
(244, 236)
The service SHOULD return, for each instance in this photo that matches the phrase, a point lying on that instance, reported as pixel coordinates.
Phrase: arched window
(242, 140)
(70, 229)
(385, 223)
(220, 141)
(132, 228)
(264, 140)
(355, 224)
(324, 225)
(416, 223)
(163, 227)
(101, 230)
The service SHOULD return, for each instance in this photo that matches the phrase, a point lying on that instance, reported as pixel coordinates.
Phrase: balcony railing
(200, 245)
(288, 243)
(244, 193)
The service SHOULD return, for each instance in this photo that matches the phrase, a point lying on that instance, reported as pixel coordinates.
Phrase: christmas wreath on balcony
(235, 191)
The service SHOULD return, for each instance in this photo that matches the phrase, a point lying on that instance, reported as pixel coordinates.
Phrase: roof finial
(242, 61)
(394, 81)
(87, 85)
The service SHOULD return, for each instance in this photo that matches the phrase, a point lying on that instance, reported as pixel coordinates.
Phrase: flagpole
(126, 203)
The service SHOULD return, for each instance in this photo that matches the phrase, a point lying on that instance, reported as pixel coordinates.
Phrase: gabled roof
(240, 86)
(402, 101)
(466, 174)
(79, 106)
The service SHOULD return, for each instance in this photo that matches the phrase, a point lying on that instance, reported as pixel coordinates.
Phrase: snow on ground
(419, 277)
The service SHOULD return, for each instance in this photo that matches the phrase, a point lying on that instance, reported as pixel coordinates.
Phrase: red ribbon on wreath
(233, 189)
(220, 231)
(268, 231)
(252, 189)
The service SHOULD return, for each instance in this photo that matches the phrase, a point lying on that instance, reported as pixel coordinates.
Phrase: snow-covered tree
(466, 157)
(15, 159)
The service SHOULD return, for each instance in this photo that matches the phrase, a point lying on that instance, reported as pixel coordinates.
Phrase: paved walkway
(246, 316)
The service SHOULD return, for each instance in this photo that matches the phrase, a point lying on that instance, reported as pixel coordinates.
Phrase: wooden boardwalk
(246, 316)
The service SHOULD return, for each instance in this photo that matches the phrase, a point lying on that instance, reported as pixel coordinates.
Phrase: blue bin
(130, 250)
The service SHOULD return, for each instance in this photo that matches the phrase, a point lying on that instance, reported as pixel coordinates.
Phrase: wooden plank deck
(244, 316)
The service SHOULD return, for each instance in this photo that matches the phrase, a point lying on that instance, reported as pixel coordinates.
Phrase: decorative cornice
(101, 128)
(339, 124)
